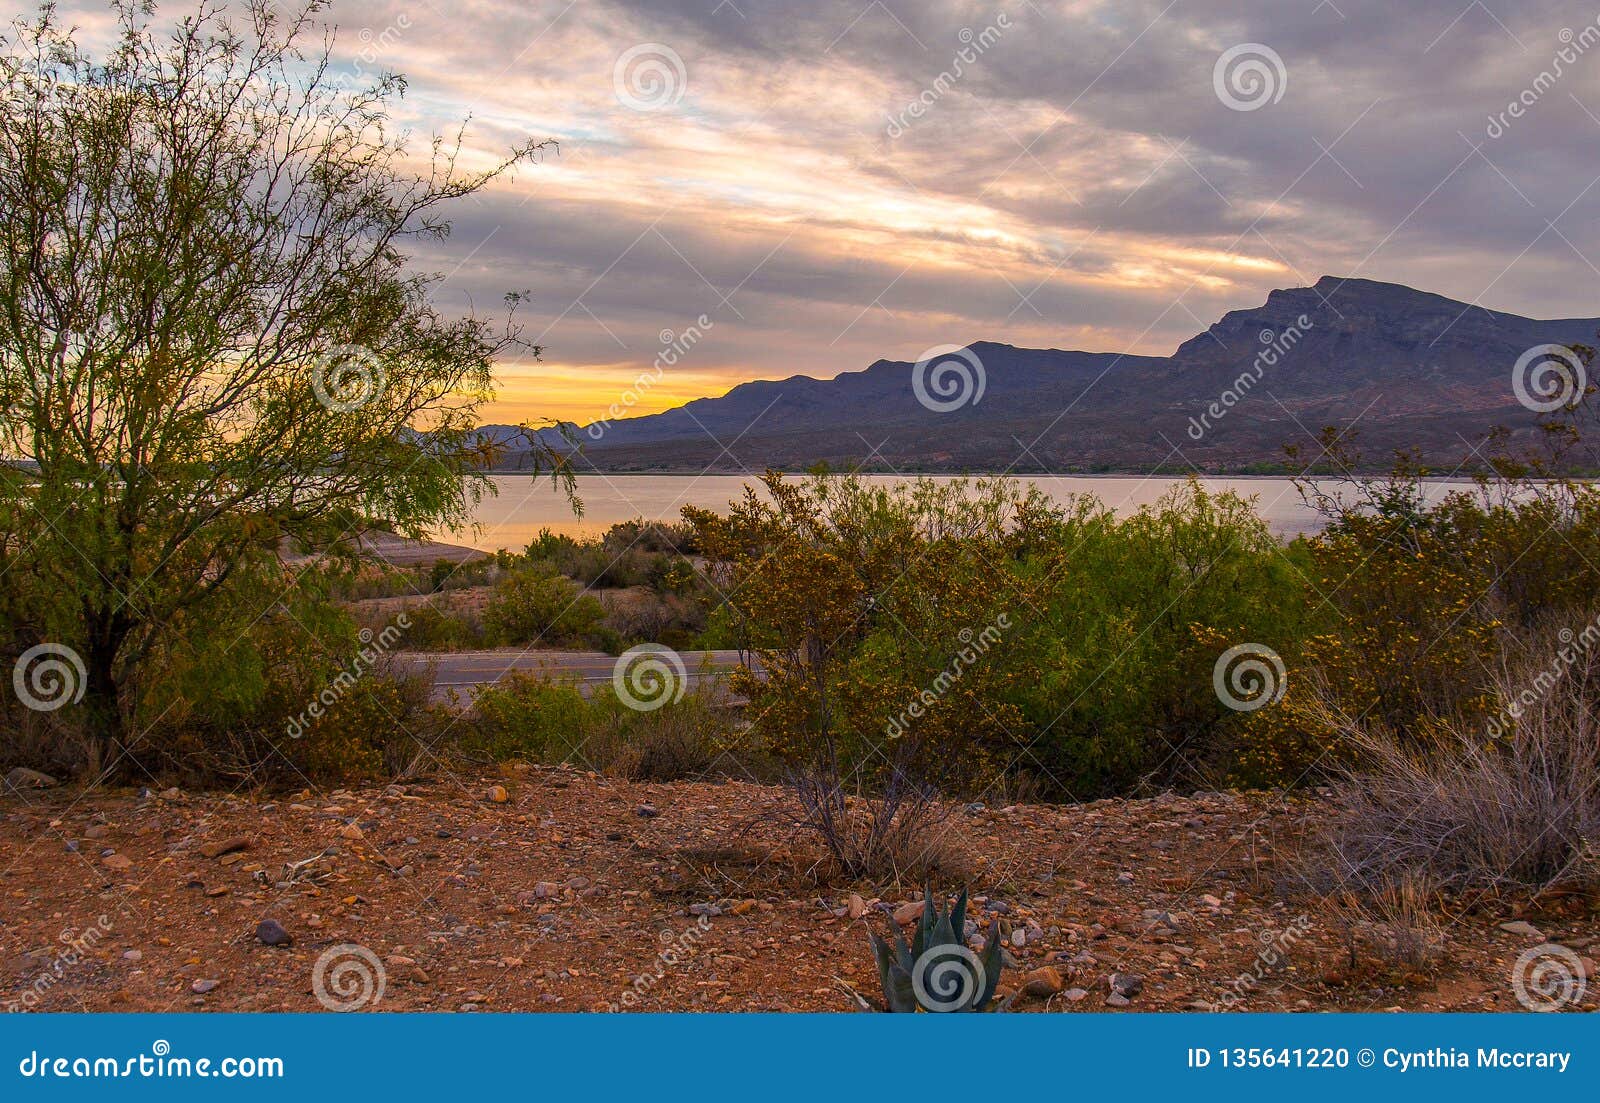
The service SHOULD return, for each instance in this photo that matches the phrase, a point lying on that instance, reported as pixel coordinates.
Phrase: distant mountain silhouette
(1407, 368)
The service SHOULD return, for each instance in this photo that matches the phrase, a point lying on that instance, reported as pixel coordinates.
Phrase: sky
(781, 188)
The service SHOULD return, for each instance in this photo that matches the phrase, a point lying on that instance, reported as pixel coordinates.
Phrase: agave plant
(937, 971)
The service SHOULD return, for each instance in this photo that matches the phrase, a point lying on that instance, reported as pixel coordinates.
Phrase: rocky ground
(545, 889)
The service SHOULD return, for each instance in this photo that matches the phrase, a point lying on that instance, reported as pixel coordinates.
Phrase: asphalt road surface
(465, 672)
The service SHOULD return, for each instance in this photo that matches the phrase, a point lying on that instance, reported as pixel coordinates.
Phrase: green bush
(298, 694)
(537, 605)
(523, 716)
(1004, 637)
(527, 717)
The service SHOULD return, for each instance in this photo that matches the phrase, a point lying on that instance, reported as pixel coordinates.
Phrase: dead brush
(897, 834)
(1517, 810)
(1397, 925)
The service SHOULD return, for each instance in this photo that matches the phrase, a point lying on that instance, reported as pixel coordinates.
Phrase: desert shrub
(295, 695)
(433, 628)
(363, 579)
(653, 536)
(688, 738)
(526, 717)
(1481, 807)
(537, 605)
(1422, 609)
(641, 616)
(1134, 614)
(992, 632)
(523, 716)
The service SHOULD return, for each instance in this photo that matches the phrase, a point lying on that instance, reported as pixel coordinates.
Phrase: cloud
(1075, 182)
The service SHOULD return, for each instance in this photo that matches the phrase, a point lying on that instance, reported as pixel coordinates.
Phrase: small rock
(1524, 929)
(226, 846)
(118, 862)
(1126, 984)
(24, 778)
(1124, 878)
(1117, 1000)
(709, 910)
(646, 810)
(1019, 938)
(132, 955)
(1076, 994)
(201, 987)
(406, 970)
(907, 914)
(498, 794)
(854, 906)
(269, 932)
(173, 793)
(1043, 982)
(96, 831)
(352, 832)
(546, 890)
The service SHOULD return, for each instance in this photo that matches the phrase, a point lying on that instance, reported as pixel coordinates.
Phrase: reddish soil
(570, 893)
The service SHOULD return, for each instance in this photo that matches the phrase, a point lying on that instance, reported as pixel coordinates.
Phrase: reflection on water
(524, 505)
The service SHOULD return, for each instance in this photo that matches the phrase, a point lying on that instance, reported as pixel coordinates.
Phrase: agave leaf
(900, 993)
(993, 960)
(943, 935)
(885, 956)
(907, 958)
(958, 917)
(930, 916)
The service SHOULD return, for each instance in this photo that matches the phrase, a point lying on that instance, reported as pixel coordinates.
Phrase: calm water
(524, 506)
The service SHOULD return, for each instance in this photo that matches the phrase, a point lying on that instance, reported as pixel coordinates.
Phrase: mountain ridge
(1406, 368)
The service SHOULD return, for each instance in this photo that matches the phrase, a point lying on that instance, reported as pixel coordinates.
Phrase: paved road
(466, 671)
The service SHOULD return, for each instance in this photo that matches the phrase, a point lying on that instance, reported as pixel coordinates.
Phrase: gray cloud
(1084, 153)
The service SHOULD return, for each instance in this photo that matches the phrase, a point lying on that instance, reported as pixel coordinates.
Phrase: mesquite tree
(212, 342)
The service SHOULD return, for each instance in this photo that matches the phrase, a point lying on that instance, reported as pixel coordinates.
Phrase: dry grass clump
(1513, 806)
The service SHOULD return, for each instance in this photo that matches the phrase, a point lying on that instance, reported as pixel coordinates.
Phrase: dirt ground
(549, 889)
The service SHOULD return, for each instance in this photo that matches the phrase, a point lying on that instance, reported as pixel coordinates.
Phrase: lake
(523, 505)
